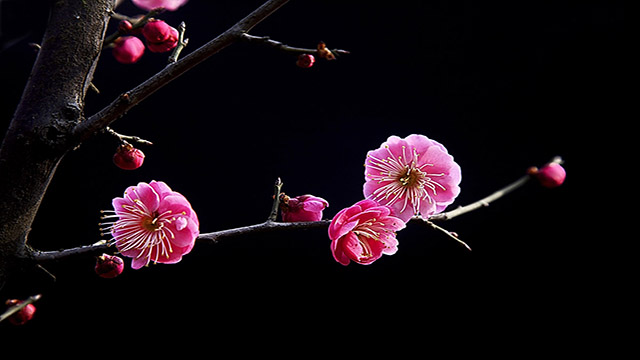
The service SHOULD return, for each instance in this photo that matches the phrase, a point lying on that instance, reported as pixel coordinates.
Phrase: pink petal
(341, 223)
(161, 188)
(147, 195)
(175, 203)
(186, 235)
(314, 205)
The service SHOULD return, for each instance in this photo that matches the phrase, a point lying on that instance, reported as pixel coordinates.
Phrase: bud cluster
(159, 37)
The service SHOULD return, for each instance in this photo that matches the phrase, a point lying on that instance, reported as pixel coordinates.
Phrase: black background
(503, 85)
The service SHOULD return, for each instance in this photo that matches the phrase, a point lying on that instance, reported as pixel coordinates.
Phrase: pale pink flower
(363, 233)
(414, 176)
(169, 5)
(302, 208)
(153, 223)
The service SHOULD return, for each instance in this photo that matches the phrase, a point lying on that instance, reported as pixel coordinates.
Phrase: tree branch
(482, 202)
(172, 71)
(265, 40)
(272, 225)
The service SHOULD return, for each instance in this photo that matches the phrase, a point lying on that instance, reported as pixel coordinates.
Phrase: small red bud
(551, 175)
(128, 49)
(305, 61)
(23, 315)
(128, 158)
(125, 27)
(108, 266)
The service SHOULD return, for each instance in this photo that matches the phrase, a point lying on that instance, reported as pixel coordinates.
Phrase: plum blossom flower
(363, 233)
(302, 208)
(153, 223)
(169, 5)
(414, 176)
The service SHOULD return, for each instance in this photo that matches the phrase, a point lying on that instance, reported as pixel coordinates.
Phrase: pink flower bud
(23, 315)
(108, 266)
(156, 31)
(305, 61)
(166, 45)
(551, 175)
(128, 49)
(302, 208)
(128, 158)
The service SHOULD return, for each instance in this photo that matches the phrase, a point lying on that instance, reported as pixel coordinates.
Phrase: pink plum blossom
(363, 233)
(169, 5)
(414, 176)
(153, 223)
(302, 208)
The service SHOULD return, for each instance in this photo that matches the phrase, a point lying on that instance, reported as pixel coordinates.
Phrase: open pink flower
(169, 5)
(363, 232)
(153, 223)
(414, 176)
(302, 208)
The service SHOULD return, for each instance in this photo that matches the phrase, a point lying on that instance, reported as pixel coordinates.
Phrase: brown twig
(265, 40)
(272, 225)
(131, 98)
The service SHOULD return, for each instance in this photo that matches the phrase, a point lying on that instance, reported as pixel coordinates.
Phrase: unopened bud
(551, 175)
(128, 49)
(128, 158)
(305, 61)
(109, 266)
(125, 27)
(23, 315)
(156, 31)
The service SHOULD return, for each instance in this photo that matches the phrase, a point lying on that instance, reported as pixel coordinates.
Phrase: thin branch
(482, 202)
(172, 71)
(444, 231)
(265, 40)
(276, 201)
(266, 226)
(271, 225)
(124, 138)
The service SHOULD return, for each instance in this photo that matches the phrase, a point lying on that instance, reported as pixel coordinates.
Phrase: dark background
(504, 85)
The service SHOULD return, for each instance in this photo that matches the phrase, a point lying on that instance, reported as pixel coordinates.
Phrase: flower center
(152, 224)
(410, 177)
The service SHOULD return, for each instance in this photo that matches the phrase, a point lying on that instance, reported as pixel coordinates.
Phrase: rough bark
(51, 106)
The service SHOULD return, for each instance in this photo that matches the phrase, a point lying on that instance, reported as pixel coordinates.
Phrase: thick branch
(172, 71)
(51, 105)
